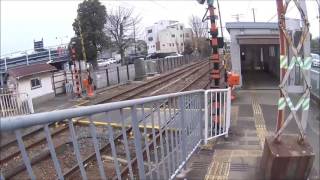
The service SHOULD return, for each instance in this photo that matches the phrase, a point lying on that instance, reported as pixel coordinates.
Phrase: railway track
(147, 86)
(124, 95)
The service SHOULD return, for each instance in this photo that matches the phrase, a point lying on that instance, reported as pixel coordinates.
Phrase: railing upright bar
(114, 152)
(201, 135)
(228, 110)
(167, 138)
(137, 142)
(182, 126)
(146, 140)
(93, 132)
(171, 136)
(158, 105)
(178, 135)
(125, 141)
(24, 154)
(216, 114)
(155, 144)
(53, 152)
(77, 150)
(220, 113)
(224, 111)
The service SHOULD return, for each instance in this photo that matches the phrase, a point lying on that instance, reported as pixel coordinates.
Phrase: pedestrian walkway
(253, 117)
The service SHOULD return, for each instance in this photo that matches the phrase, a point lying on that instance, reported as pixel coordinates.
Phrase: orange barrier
(233, 80)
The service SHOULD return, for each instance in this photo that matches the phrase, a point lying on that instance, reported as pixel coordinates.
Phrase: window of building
(180, 35)
(150, 38)
(150, 31)
(172, 35)
(173, 44)
(170, 44)
(272, 52)
(187, 35)
(181, 44)
(35, 83)
(181, 27)
(163, 45)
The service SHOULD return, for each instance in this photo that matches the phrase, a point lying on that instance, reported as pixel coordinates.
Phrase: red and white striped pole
(75, 72)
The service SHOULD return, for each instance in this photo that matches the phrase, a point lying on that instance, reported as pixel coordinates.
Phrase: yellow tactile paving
(259, 120)
(220, 165)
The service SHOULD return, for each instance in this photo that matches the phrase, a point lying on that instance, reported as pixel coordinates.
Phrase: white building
(35, 80)
(167, 36)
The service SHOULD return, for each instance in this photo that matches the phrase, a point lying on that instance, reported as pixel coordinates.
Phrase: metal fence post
(172, 63)
(163, 70)
(107, 74)
(54, 85)
(137, 142)
(206, 117)
(228, 111)
(182, 126)
(128, 75)
(118, 74)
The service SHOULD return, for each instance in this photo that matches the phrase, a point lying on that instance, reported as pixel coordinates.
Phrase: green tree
(89, 26)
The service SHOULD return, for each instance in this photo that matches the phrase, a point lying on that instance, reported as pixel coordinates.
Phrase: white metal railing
(217, 113)
(14, 104)
(147, 138)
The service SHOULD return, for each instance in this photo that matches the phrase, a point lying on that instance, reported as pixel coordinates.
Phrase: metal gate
(147, 138)
(14, 104)
(217, 113)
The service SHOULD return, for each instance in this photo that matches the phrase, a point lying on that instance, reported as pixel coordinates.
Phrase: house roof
(29, 70)
(251, 25)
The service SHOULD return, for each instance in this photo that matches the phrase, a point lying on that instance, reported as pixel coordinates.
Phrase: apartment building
(167, 36)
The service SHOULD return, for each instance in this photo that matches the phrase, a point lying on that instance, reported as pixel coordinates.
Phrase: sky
(24, 21)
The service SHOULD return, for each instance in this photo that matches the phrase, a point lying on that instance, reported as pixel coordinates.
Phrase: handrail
(17, 122)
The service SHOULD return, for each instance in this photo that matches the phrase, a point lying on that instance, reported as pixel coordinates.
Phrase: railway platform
(253, 116)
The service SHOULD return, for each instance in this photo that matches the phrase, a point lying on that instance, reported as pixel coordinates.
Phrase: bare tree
(199, 29)
(121, 23)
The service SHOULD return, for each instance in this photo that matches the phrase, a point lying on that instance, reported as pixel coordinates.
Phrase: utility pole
(254, 16)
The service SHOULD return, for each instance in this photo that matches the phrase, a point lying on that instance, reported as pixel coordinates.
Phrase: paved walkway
(238, 156)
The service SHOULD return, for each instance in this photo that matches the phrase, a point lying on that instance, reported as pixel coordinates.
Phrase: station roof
(251, 25)
(29, 70)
